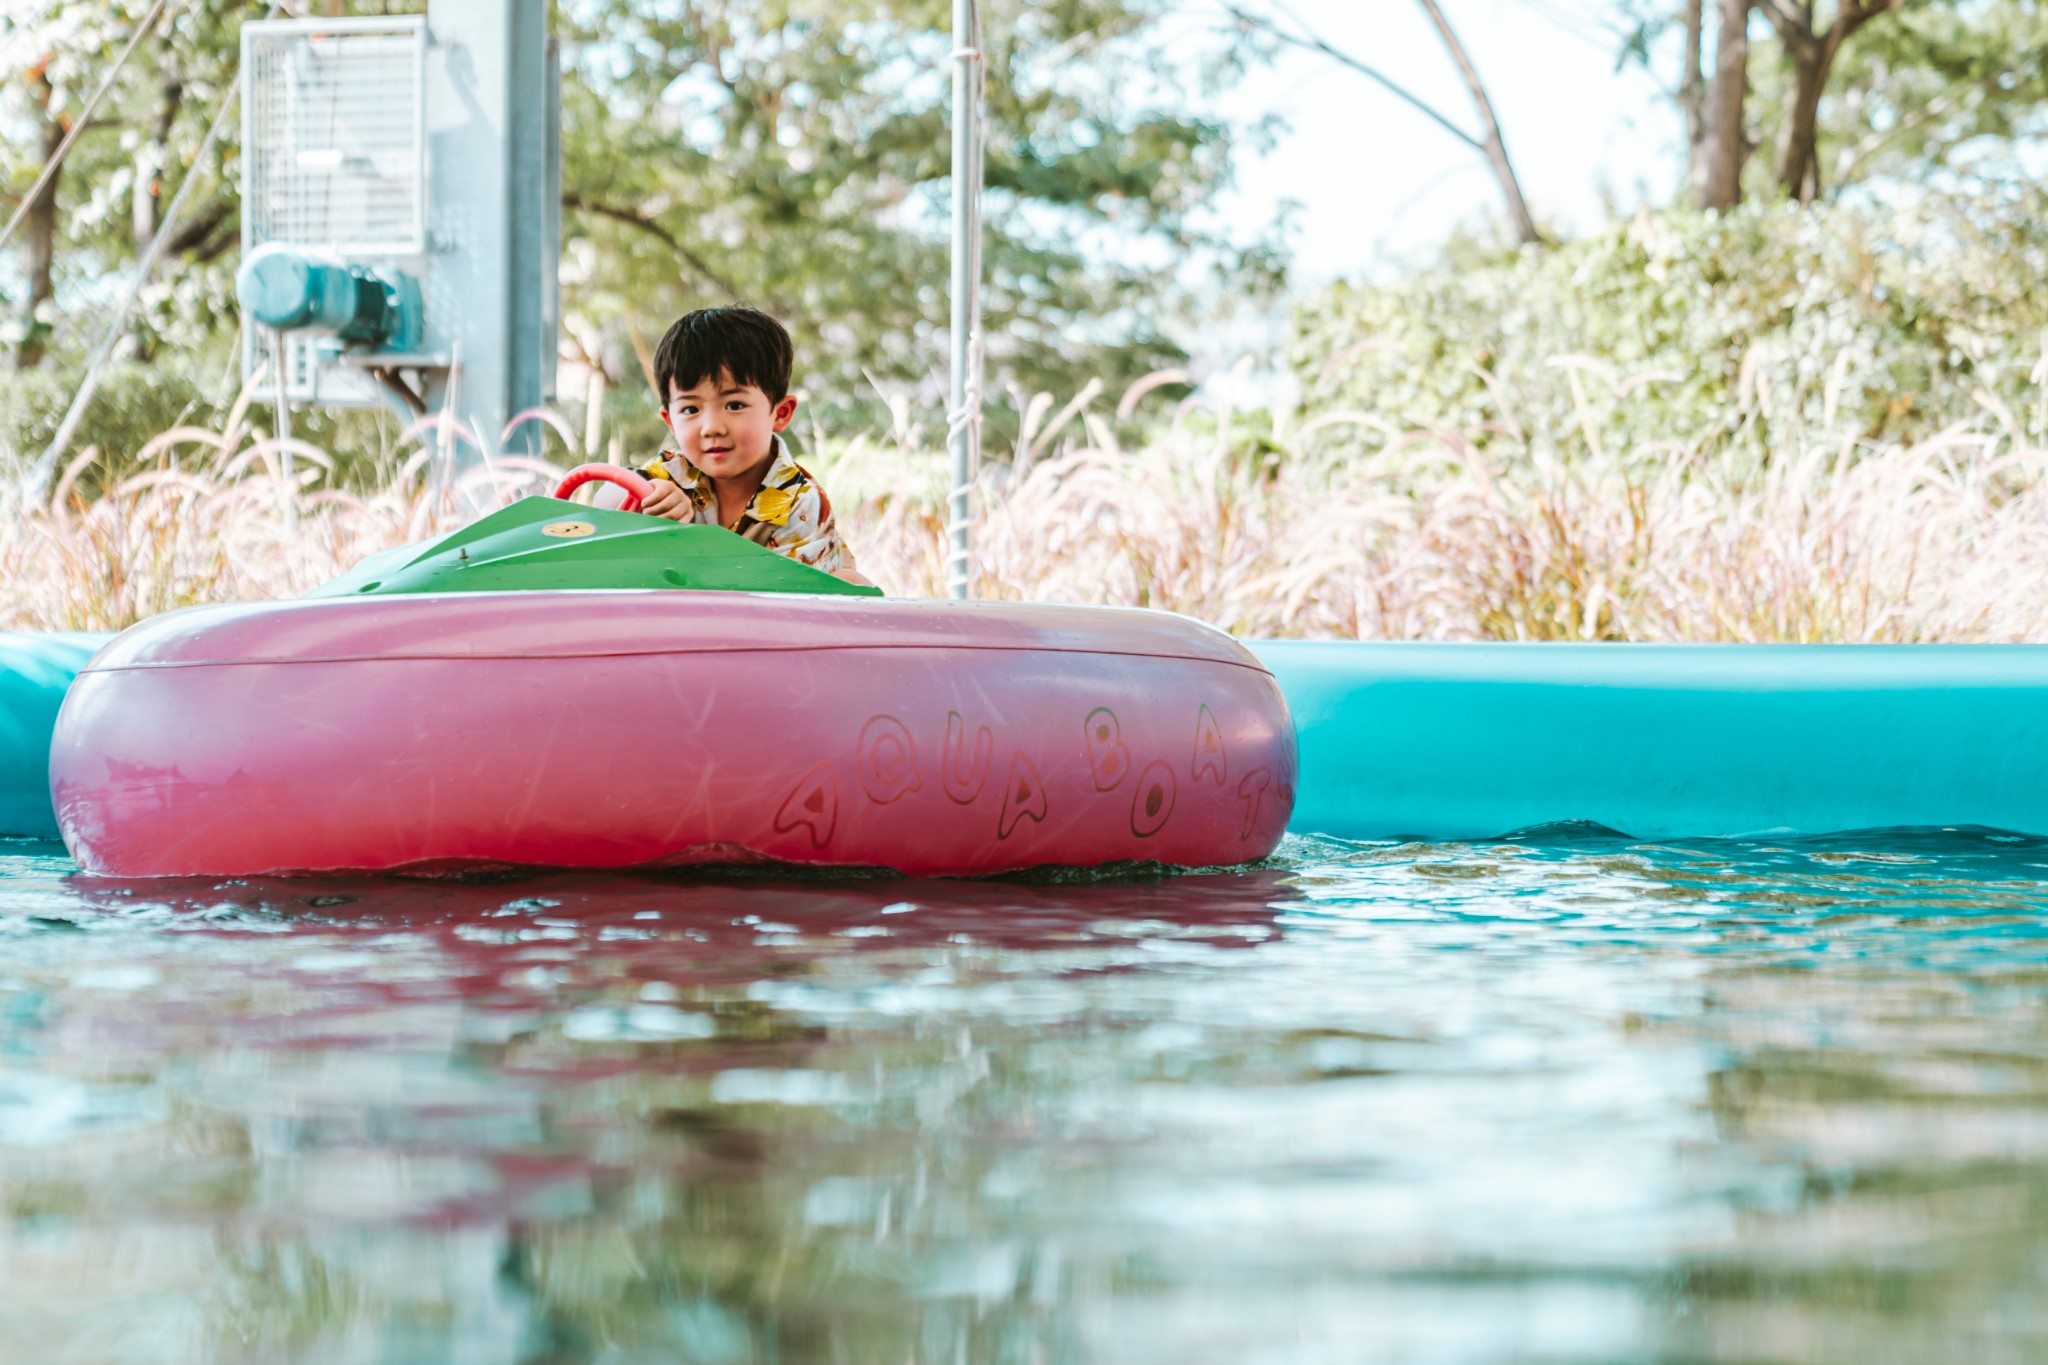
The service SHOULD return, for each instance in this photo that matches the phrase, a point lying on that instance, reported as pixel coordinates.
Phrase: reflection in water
(1568, 1097)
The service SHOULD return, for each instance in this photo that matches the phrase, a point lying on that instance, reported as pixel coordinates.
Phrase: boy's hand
(846, 571)
(668, 500)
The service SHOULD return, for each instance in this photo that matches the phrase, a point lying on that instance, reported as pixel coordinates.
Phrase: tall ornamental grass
(1288, 530)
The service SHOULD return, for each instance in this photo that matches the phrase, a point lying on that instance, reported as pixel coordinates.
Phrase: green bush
(1723, 334)
(136, 402)
(133, 404)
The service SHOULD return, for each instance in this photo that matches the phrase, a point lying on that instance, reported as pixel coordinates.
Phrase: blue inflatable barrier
(1462, 741)
(34, 671)
(1471, 741)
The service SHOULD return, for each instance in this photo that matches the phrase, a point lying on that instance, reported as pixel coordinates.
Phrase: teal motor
(288, 289)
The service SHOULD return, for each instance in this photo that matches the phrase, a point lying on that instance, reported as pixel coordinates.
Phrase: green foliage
(795, 155)
(133, 405)
(1951, 88)
(124, 169)
(1934, 90)
(137, 402)
(1716, 334)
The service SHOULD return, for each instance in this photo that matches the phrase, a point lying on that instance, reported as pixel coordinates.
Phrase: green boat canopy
(543, 543)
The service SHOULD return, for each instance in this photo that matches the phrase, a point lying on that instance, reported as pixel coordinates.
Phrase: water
(1573, 1099)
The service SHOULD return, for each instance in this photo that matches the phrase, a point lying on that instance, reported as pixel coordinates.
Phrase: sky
(1380, 186)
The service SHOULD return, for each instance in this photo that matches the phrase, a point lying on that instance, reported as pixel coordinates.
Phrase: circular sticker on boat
(567, 528)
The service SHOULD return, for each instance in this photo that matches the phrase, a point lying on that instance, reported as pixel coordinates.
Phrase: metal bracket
(388, 369)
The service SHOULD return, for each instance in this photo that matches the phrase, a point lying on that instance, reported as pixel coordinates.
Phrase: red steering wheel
(638, 489)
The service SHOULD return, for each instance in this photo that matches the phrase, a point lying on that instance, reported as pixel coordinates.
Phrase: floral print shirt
(790, 514)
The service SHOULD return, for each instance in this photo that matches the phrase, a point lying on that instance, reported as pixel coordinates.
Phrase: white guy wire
(78, 124)
(39, 477)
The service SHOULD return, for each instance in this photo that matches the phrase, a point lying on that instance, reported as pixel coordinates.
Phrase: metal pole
(964, 419)
(282, 397)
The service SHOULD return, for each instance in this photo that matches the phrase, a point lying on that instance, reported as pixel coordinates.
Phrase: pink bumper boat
(629, 729)
(478, 703)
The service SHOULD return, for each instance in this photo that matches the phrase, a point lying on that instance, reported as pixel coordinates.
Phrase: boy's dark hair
(743, 342)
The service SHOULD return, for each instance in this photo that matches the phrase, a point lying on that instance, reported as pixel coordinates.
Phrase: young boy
(725, 377)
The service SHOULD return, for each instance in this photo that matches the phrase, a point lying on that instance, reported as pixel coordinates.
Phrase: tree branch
(1851, 159)
(1489, 145)
(194, 233)
(1812, 54)
(1311, 42)
(634, 219)
(1791, 25)
(1855, 16)
(212, 250)
(1692, 84)
(1495, 149)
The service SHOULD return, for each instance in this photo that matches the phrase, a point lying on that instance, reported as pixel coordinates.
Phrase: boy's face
(724, 428)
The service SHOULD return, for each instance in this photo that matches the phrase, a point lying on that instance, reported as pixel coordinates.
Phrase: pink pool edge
(648, 729)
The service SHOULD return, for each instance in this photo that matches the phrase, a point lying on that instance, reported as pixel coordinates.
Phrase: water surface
(1557, 1099)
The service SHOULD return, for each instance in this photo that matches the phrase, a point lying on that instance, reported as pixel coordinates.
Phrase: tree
(102, 207)
(795, 155)
(1288, 28)
(1811, 51)
(1724, 144)
(1947, 86)
(1716, 144)
(789, 152)
(39, 223)
(1958, 88)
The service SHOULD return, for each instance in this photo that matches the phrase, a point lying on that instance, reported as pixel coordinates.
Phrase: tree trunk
(1812, 56)
(150, 161)
(1799, 149)
(1496, 151)
(1724, 148)
(1692, 99)
(39, 233)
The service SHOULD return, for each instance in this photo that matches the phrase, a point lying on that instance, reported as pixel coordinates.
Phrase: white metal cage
(334, 138)
(334, 134)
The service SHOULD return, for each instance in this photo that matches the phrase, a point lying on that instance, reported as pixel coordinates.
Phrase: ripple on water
(1560, 1095)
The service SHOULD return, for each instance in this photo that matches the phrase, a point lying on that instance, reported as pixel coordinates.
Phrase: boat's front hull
(637, 729)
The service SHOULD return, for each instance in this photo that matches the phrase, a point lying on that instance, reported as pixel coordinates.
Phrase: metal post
(964, 419)
(487, 102)
(280, 392)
